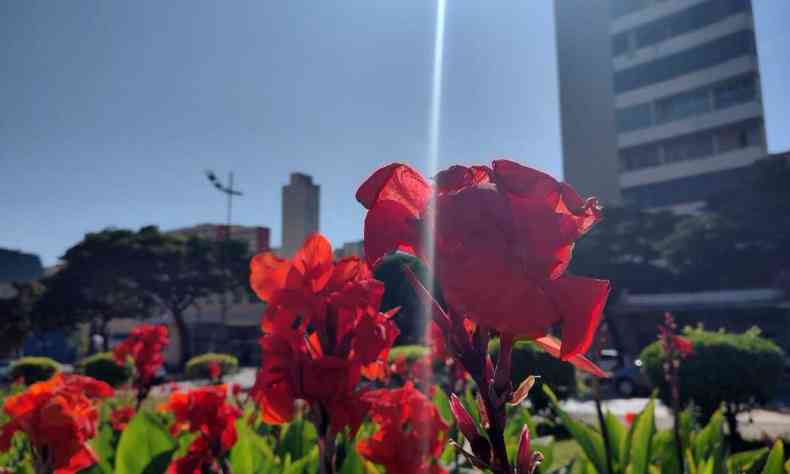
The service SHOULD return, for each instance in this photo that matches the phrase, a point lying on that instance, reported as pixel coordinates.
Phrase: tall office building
(687, 100)
(300, 212)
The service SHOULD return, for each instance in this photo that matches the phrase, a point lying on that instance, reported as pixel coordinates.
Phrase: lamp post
(230, 193)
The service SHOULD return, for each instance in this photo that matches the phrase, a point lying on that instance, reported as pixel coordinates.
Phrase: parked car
(628, 378)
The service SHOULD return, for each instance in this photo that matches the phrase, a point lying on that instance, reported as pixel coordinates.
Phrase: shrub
(198, 366)
(410, 353)
(102, 367)
(738, 370)
(529, 359)
(33, 369)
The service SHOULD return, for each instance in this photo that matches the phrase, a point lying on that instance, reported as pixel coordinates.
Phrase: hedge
(410, 352)
(102, 366)
(724, 368)
(198, 366)
(33, 369)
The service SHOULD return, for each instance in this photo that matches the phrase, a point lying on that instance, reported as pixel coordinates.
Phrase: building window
(683, 105)
(639, 157)
(634, 118)
(702, 57)
(689, 147)
(734, 92)
(739, 136)
(624, 7)
(620, 44)
(686, 21)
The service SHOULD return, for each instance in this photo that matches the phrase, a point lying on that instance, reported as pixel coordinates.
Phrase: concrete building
(300, 212)
(257, 238)
(687, 102)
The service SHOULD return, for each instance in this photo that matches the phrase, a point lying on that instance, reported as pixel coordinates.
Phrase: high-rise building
(687, 102)
(300, 212)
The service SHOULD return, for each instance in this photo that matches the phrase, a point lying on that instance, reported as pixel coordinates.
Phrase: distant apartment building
(257, 238)
(300, 212)
(687, 102)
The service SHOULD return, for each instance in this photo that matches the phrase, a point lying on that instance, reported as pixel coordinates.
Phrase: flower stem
(496, 428)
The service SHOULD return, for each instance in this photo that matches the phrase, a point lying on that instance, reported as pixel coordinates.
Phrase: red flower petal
(267, 274)
(312, 265)
(552, 346)
(396, 182)
(390, 226)
(580, 302)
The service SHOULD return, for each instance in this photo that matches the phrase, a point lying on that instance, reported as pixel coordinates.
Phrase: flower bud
(480, 445)
(523, 390)
(527, 461)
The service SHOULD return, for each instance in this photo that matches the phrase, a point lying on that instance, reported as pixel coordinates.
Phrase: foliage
(736, 369)
(742, 240)
(198, 366)
(399, 293)
(410, 353)
(33, 369)
(102, 366)
(528, 360)
(16, 316)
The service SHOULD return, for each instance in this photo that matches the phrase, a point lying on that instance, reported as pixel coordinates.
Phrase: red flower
(144, 345)
(629, 417)
(503, 238)
(214, 370)
(406, 419)
(58, 416)
(683, 345)
(322, 332)
(120, 417)
(204, 411)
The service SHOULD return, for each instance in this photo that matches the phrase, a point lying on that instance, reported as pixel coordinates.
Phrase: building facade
(687, 102)
(300, 212)
(257, 238)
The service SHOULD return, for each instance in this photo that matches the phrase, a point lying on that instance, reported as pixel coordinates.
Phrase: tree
(16, 321)
(177, 272)
(741, 241)
(97, 283)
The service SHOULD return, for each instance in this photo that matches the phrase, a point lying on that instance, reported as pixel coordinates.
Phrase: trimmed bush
(102, 367)
(410, 353)
(198, 366)
(529, 359)
(33, 369)
(735, 369)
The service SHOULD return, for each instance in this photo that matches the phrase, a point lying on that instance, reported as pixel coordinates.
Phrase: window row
(694, 146)
(704, 56)
(691, 19)
(717, 96)
(684, 190)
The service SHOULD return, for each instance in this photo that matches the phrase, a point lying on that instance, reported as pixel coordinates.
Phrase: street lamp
(230, 192)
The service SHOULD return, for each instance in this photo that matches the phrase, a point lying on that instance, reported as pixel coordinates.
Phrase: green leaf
(145, 442)
(297, 438)
(744, 460)
(618, 438)
(442, 403)
(104, 447)
(709, 442)
(304, 465)
(641, 435)
(664, 452)
(353, 463)
(775, 462)
(590, 440)
(251, 453)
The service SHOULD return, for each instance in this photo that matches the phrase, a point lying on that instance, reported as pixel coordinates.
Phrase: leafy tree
(16, 320)
(742, 239)
(178, 272)
(97, 283)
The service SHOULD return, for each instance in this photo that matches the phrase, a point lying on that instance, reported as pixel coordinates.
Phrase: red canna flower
(683, 345)
(58, 416)
(144, 345)
(322, 332)
(204, 411)
(214, 370)
(405, 418)
(120, 417)
(503, 238)
(630, 417)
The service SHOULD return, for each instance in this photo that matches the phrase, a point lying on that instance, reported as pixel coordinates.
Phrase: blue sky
(111, 111)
